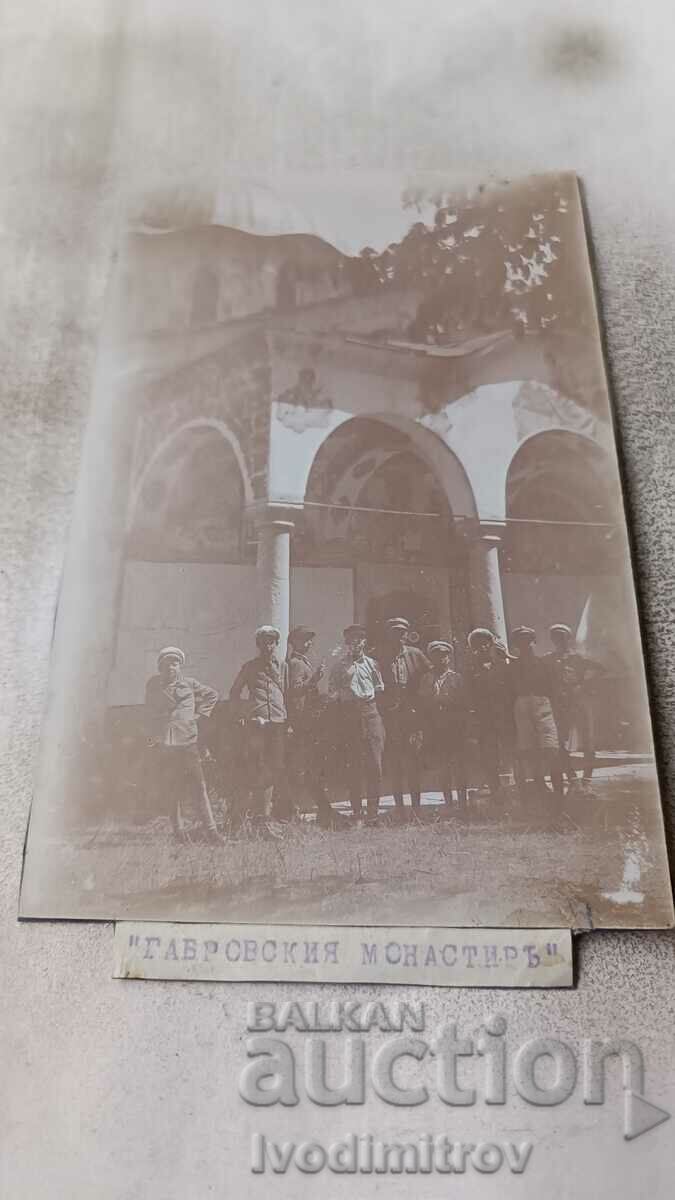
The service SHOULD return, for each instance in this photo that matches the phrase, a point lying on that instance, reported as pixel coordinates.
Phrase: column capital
(475, 530)
(265, 512)
(490, 531)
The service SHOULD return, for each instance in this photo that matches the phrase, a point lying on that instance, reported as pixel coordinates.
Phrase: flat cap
(480, 635)
(171, 652)
(397, 623)
(300, 633)
(354, 631)
(561, 629)
(523, 633)
(440, 647)
(267, 631)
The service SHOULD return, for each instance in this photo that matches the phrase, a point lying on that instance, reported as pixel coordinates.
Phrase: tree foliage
(500, 258)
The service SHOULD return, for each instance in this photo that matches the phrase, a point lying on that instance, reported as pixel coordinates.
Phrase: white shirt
(356, 679)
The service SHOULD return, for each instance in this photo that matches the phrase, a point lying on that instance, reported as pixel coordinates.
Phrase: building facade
(266, 446)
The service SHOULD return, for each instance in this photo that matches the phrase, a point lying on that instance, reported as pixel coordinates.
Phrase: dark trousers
(182, 785)
(362, 742)
(262, 768)
(490, 753)
(445, 737)
(403, 758)
(306, 769)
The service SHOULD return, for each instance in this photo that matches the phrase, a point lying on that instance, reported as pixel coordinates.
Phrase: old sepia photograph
(347, 630)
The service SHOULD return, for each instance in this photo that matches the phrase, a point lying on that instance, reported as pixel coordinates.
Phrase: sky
(348, 209)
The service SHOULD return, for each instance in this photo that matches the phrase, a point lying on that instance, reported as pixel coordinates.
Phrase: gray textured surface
(121, 1090)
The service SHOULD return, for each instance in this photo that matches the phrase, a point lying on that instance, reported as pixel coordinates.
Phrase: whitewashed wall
(206, 609)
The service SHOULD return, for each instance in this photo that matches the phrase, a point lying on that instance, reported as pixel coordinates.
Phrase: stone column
(485, 583)
(274, 573)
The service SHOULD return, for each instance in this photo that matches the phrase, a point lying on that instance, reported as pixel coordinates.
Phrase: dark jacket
(444, 692)
(402, 674)
(487, 684)
(531, 676)
(172, 709)
(265, 685)
(572, 675)
(302, 699)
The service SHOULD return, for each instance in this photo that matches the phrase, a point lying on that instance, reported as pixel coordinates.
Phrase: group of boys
(517, 707)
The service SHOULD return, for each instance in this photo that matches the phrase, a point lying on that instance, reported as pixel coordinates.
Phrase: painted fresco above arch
(486, 427)
(200, 422)
(374, 494)
(189, 499)
(294, 454)
(578, 467)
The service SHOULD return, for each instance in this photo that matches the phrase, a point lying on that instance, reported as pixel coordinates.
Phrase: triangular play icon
(640, 1115)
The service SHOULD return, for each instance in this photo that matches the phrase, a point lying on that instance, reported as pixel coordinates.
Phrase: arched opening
(559, 509)
(189, 507)
(376, 505)
(565, 560)
(189, 571)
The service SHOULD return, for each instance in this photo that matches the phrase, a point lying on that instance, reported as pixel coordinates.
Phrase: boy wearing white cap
(174, 703)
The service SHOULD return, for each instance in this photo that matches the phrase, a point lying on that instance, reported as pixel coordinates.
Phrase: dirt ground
(588, 859)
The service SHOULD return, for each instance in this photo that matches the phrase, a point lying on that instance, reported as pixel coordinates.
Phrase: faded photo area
(347, 631)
